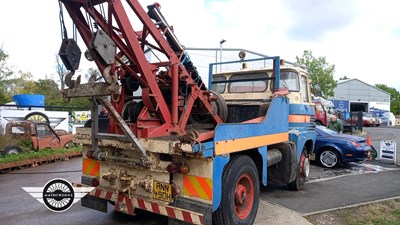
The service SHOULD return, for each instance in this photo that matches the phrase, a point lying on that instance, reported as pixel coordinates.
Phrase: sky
(360, 37)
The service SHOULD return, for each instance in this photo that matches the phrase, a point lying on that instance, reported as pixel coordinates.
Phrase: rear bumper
(127, 204)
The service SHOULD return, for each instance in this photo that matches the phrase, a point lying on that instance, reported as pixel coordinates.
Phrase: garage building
(356, 95)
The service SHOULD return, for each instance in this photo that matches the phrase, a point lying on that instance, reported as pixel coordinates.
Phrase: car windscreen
(290, 80)
(322, 129)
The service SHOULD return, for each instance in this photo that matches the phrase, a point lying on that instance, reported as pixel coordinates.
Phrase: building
(356, 95)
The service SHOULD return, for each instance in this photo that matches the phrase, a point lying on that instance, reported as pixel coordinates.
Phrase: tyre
(353, 129)
(69, 144)
(12, 150)
(37, 116)
(241, 191)
(219, 106)
(303, 170)
(329, 158)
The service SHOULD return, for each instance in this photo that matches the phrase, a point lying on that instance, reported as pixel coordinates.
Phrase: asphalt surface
(18, 207)
(343, 190)
(347, 185)
(326, 189)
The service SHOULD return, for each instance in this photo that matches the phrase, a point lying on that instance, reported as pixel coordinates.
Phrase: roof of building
(355, 79)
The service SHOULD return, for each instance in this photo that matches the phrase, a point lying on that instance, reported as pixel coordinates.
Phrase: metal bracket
(125, 128)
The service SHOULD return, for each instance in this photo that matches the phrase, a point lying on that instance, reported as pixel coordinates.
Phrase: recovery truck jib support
(172, 146)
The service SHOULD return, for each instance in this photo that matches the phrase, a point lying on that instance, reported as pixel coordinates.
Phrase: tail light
(178, 168)
(173, 168)
(356, 144)
(184, 168)
(90, 154)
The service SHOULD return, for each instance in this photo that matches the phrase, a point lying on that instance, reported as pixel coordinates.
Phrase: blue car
(331, 148)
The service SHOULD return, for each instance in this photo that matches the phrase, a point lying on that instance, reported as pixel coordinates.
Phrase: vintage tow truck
(173, 146)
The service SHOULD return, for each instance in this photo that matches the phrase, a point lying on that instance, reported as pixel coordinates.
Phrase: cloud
(312, 20)
(359, 36)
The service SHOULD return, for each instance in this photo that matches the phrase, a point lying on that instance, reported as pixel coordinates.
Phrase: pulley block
(103, 46)
(70, 54)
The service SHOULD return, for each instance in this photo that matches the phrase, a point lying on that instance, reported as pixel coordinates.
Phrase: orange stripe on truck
(235, 145)
(299, 118)
(196, 186)
(90, 167)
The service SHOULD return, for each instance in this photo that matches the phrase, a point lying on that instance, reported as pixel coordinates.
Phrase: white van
(390, 117)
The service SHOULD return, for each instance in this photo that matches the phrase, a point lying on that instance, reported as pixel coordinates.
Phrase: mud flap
(285, 171)
(94, 203)
(195, 206)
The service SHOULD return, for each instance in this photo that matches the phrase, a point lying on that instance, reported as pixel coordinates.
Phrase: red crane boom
(172, 89)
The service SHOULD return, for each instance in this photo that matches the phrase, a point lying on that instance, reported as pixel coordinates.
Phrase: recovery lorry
(178, 149)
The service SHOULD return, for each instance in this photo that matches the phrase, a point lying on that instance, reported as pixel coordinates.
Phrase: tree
(93, 75)
(319, 71)
(5, 73)
(61, 71)
(344, 78)
(394, 97)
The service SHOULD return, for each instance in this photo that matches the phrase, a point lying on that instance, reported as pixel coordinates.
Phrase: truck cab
(324, 108)
(248, 94)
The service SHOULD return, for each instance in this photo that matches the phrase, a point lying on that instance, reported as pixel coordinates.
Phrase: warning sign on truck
(387, 151)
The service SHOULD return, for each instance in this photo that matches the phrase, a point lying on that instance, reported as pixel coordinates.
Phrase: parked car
(348, 127)
(331, 148)
(367, 120)
(373, 118)
(35, 136)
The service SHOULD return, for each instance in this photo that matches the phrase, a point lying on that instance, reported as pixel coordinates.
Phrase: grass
(22, 141)
(36, 154)
(381, 213)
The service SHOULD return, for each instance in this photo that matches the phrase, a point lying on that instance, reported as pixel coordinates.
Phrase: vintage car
(36, 135)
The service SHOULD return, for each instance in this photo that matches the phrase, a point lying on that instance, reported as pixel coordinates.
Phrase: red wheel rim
(244, 196)
(302, 160)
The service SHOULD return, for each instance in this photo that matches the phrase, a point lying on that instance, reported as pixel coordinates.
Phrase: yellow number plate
(162, 191)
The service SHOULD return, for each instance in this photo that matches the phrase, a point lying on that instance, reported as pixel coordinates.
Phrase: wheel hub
(244, 196)
(306, 170)
(240, 196)
(329, 159)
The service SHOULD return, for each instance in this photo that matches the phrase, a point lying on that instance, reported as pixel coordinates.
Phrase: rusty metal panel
(91, 89)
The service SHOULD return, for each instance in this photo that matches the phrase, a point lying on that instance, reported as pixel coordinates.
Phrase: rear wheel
(328, 158)
(303, 170)
(353, 129)
(241, 191)
(12, 150)
(69, 144)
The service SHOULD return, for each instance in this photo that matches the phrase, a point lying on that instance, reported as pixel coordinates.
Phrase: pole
(216, 60)
(220, 53)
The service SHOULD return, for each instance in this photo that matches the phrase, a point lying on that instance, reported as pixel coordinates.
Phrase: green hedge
(37, 154)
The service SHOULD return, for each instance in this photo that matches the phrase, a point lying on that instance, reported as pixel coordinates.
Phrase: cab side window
(303, 88)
